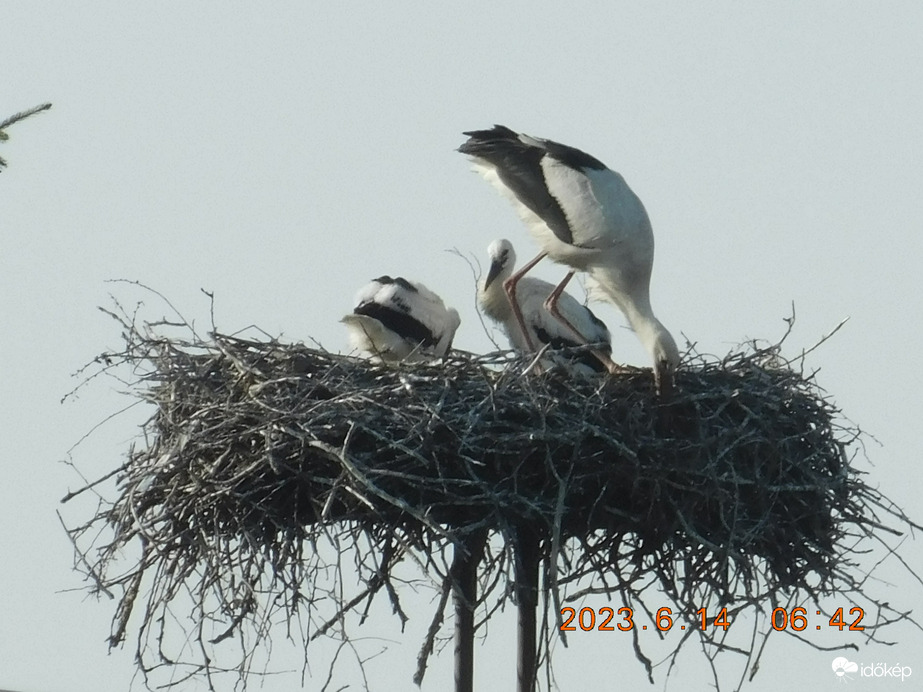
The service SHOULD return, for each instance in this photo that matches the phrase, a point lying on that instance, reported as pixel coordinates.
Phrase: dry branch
(22, 115)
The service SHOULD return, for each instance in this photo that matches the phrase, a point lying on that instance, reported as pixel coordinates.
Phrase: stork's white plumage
(541, 327)
(396, 319)
(583, 215)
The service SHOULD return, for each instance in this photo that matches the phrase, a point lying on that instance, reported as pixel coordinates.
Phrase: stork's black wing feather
(518, 165)
(398, 322)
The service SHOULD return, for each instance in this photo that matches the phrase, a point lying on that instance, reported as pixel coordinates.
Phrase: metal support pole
(527, 562)
(464, 572)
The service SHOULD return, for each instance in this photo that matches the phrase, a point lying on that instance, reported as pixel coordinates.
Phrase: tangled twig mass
(275, 478)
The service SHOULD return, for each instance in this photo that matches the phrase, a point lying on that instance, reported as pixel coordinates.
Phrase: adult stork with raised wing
(584, 215)
(396, 319)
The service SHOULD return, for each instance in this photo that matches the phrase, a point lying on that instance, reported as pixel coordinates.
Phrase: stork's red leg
(551, 305)
(510, 286)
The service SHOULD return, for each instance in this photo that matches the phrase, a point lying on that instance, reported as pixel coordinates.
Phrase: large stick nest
(738, 491)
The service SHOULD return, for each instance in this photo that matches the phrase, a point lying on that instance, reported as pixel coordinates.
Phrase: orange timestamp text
(607, 619)
(797, 619)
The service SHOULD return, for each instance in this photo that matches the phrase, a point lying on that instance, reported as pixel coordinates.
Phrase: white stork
(583, 215)
(576, 327)
(396, 319)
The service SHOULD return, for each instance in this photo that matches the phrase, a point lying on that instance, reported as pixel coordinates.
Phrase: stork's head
(502, 260)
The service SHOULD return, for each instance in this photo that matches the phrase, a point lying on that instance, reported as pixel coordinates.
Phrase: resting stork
(577, 326)
(396, 319)
(583, 215)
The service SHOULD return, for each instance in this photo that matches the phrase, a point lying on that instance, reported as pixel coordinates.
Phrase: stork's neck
(657, 340)
(641, 317)
(494, 301)
(636, 306)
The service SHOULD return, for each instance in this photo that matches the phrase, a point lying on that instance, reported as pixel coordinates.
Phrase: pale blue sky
(281, 158)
